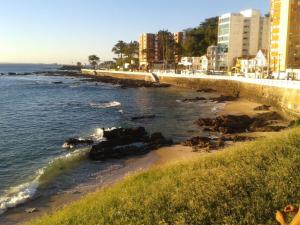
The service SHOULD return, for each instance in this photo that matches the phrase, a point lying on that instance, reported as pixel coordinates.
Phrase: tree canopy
(94, 60)
(198, 39)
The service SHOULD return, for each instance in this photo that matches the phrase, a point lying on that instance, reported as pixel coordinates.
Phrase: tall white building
(242, 34)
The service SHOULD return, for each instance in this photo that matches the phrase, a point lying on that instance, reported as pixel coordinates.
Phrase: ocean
(38, 113)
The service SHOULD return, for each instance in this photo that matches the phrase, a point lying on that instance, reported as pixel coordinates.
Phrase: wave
(22, 193)
(99, 133)
(105, 105)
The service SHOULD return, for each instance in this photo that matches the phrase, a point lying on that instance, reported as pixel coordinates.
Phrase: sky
(67, 31)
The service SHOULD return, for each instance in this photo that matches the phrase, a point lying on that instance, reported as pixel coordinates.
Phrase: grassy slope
(245, 184)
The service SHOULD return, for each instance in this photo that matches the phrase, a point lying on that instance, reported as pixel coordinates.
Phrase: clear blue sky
(66, 31)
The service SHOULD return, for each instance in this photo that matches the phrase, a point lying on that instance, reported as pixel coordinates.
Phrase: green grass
(244, 184)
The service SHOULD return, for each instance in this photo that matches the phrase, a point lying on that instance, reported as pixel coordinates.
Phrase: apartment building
(151, 50)
(242, 34)
(285, 35)
(147, 49)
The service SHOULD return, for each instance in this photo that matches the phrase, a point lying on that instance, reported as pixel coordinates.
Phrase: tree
(79, 64)
(199, 38)
(167, 46)
(94, 60)
(120, 49)
(127, 53)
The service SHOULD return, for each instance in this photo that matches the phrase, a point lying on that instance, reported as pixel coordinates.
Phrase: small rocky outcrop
(128, 83)
(262, 108)
(207, 143)
(206, 90)
(231, 124)
(224, 98)
(122, 143)
(75, 142)
(143, 117)
(57, 82)
(12, 74)
(197, 99)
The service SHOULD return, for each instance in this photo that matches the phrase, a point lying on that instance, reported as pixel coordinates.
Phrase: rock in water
(121, 143)
(197, 99)
(143, 117)
(74, 142)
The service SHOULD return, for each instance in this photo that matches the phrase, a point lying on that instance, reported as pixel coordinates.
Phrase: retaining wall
(283, 95)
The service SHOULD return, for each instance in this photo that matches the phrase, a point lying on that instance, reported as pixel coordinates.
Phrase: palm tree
(120, 49)
(94, 60)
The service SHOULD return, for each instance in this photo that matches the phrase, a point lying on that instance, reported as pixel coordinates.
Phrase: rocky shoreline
(122, 83)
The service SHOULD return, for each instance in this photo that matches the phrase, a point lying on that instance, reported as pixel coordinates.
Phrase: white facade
(243, 34)
(204, 63)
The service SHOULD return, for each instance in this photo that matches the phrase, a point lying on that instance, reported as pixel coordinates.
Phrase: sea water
(38, 113)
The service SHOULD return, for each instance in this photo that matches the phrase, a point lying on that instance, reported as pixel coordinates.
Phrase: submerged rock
(121, 143)
(143, 117)
(194, 99)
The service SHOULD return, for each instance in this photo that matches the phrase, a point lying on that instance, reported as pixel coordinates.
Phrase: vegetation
(127, 53)
(198, 39)
(94, 60)
(244, 184)
(169, 48)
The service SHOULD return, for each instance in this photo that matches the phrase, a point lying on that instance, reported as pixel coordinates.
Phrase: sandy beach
(159, 157)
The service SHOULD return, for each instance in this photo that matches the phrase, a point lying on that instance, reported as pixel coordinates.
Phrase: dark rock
(237, 138)
(74, 142)
(12, 74)
(127, 83)
(205, 122)
(262, 122)
(224, 98)
(138, 134)
(206, 90)
(128, 142)
(262, 108)
(205, 143)
(194, 99)
(230, 124)
(143, 117)
(159, 140)
(227, 124)
(57, 82)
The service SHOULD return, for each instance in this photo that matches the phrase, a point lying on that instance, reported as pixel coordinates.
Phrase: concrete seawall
(283, 95)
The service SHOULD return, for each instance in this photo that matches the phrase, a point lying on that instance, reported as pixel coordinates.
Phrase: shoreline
(159, 157)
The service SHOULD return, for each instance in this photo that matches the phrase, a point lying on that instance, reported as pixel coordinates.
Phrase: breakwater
(281, 94)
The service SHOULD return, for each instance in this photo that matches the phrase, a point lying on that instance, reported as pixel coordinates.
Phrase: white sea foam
(99, 133)
(105, 105)
(20, 194)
